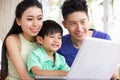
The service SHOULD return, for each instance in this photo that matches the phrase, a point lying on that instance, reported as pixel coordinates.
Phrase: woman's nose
(35, 23)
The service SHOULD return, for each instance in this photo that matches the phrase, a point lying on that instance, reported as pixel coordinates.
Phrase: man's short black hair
(70, 6)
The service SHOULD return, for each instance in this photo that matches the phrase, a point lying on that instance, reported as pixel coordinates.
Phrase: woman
(20, 40)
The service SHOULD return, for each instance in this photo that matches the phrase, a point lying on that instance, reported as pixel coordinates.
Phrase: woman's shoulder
(12, 37)
(13, 40)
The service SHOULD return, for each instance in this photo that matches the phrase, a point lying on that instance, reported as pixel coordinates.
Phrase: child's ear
(39, 39)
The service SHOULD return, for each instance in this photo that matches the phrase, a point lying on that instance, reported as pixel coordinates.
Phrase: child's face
(52, 42)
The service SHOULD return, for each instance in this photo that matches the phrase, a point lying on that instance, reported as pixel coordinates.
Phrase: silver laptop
(50, 78)
(96, 60)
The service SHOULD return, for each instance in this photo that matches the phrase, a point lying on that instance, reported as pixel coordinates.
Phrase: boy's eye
(60, 37)
(51, 36)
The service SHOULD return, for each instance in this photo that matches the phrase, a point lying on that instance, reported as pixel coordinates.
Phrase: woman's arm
(13, 49)
(38, 72)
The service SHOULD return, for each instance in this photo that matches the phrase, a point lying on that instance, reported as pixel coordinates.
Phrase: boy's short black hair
(70, 6)
(50, 27)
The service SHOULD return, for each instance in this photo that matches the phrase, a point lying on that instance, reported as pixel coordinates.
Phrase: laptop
(96, 60)
(50, 78)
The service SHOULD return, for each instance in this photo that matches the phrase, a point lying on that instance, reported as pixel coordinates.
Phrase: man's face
(77, 25)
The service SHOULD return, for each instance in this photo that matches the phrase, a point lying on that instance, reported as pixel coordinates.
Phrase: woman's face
(31, 21)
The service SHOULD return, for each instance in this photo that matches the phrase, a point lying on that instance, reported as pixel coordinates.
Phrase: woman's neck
(29, 38)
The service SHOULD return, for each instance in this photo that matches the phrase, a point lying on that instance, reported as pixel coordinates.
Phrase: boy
(45, 61)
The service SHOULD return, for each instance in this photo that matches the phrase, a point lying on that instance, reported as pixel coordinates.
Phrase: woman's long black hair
(15, 29)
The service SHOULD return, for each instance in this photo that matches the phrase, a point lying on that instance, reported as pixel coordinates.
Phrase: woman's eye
(39, 18)
(29, 19)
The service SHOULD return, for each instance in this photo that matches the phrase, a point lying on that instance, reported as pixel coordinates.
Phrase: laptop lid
(96, 60)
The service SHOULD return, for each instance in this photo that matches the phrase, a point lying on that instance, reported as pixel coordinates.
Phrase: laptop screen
(96, 59)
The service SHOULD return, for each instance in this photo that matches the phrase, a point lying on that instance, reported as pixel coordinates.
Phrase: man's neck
(78, 43)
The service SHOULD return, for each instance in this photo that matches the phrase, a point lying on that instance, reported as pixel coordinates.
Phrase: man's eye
(83, 22)
(72, 24)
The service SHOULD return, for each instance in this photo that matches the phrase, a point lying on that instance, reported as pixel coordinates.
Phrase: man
(76, 21)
